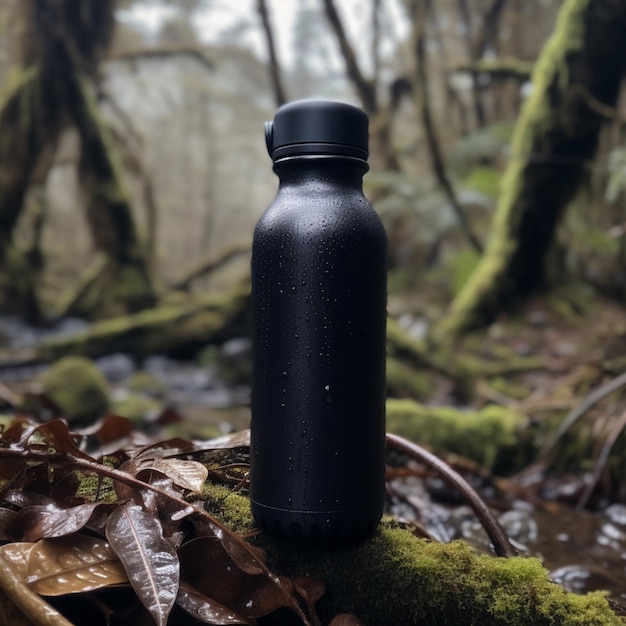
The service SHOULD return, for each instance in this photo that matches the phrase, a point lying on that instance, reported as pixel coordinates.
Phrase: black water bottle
(319, 308)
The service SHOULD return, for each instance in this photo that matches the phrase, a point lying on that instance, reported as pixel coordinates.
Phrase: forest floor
(579, 340)
(568, 507)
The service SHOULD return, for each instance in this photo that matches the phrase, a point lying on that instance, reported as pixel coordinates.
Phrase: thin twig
(601, 461)
(499, 539)
(593, 398)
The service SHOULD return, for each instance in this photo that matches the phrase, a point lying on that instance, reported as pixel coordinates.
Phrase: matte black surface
(319, 312)
(317, 127)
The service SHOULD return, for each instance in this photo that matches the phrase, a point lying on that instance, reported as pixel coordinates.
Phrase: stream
(583, 550)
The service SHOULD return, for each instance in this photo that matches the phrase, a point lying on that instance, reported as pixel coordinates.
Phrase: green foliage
(485, 180)
(616, 184)
(403, 380)
(596, 240)
(486, 145)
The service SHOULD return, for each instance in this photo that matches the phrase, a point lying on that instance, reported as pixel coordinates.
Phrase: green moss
(486, 436)
(147, 383)
(95, 489)
(486, 180)
(137, 407)
(462, 266)
(395, 578)
(449, 360)
(78, 388)
(509, 388)
(161, 329)
(230, 508)
(503, 68)
(403, 381)
(546, 126)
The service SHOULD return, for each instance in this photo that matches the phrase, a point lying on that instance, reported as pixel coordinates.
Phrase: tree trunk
(381, 118)
(581, 65)
(61, 44)
(280, 95)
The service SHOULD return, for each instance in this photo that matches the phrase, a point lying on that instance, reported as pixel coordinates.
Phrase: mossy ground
(396, 578)
(78, 388)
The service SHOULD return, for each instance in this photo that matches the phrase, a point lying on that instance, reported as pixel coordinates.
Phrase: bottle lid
(317, 127)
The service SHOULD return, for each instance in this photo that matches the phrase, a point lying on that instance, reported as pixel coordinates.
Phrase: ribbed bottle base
(315, 526)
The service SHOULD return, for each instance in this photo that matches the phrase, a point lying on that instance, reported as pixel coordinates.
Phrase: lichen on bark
(555, 136)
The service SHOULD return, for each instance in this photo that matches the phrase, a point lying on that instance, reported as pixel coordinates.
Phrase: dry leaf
(210, 570)
(206, 610)
(38, 522)
(346, 619)
(189, 475)
(149, 559)
(16, 557)
(72, 564)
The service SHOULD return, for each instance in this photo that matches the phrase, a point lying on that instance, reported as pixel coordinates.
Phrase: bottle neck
(328, 168)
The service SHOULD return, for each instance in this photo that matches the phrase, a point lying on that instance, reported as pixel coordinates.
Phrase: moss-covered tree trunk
(60, 45)
(581, 65)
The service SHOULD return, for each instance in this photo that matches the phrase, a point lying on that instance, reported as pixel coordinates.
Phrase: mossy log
(396, 578)
(577, 76)
(488, 436)
(450, 362)
(50, 88)
(180, 328)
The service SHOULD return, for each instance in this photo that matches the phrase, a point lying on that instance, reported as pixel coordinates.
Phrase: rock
(78, 388)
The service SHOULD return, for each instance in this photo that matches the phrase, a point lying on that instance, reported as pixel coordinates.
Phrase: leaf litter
(137, 532)
(135, 529)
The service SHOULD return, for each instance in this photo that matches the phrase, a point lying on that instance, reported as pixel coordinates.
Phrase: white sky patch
(147, 17)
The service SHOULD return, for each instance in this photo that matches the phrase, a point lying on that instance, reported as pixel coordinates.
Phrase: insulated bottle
(317, 463)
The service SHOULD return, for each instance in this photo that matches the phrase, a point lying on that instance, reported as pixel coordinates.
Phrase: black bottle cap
(317, 127)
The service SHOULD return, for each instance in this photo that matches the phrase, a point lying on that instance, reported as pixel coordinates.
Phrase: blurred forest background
(133, 169)
(181, 89)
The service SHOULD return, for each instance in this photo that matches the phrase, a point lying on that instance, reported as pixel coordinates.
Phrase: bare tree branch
(419, 22)
(275, 74)
(365, 88)
(489, 32)
(192, 52)
(479, 109)
(210, 264)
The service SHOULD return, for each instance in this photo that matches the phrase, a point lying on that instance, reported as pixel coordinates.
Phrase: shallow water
(583, 551)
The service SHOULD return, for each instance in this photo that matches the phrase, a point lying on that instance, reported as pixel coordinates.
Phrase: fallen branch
(499, 539)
